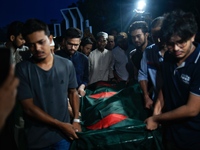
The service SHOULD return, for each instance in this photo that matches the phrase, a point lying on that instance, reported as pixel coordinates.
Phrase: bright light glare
(141, 5)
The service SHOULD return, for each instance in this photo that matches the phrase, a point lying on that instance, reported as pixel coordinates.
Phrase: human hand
(151, 124)
(148, 102)
(81, 92)
(77, 126)
(69, 130)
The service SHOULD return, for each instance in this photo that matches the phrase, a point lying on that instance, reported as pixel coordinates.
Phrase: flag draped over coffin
(113, 118)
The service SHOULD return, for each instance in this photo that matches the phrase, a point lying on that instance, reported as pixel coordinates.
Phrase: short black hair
(157, 22)
(33, 25)
(180, 23)
(72, 33)
(139, 25)
(15, 28)
(86, 41)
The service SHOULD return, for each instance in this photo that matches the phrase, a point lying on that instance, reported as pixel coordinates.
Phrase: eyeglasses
(71, 44)
(180, 44)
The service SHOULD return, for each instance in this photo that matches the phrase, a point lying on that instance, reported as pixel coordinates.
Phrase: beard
(36, 59)
(141, 45)
(17, 46)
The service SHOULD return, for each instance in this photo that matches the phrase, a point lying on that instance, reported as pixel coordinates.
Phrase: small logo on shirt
(61, 81)
(185, 78)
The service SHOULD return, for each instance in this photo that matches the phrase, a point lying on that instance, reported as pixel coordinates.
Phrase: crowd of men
(48, 83)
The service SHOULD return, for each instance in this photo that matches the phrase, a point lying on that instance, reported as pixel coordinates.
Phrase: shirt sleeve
(142, 73)
(24, 89)
(72, 77)
(111, 66)
(195, 82)
(86, 72)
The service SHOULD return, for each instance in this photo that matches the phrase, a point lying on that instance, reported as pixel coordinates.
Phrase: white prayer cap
(104, 34)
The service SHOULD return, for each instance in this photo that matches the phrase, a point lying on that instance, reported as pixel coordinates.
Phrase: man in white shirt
(100, 61)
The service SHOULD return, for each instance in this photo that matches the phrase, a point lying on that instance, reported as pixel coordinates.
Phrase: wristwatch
(77, 120)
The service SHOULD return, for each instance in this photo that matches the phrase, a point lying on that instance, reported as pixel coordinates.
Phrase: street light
(140, 8)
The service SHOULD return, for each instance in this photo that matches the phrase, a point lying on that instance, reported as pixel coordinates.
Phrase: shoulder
(92, 53)
(24, 66)
(115, 49)
(152, 46)
(60, 52)
(151, 49)
(82, 56)
(24, 63)
(62, 60)
(132, 52)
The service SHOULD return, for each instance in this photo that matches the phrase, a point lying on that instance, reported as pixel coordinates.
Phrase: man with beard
(46, 82)
(72, 40)
(16, 42)
(100, 61)
(153, 56)
(139, 36)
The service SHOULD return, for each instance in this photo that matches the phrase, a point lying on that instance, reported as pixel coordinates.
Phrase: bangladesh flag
(113, 118)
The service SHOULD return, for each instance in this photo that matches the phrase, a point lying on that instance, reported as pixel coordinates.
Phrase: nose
(176, 47)
(37, 46)
(23, 41)
(135, 39)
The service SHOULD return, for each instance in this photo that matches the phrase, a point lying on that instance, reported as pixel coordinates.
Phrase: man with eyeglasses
(139, 36)
(72, 40)
(178, 105)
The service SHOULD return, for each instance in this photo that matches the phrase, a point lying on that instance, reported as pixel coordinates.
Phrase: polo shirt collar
(195, 56)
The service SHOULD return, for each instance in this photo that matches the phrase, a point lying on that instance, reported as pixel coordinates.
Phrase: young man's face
(18, 41)
(139, 38)
(39, 45)
(72, 45)
(101, 43)
(111, 43)
(86, 49)
(181, 49)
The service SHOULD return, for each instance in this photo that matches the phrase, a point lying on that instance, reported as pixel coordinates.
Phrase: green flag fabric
(113, 118)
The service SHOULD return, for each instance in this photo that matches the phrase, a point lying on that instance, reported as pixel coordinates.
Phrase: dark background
(103, 15)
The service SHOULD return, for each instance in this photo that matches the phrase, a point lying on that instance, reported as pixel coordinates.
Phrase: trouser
(61, 145)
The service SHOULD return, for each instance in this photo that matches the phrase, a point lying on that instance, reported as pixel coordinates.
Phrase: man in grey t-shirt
(46, 81)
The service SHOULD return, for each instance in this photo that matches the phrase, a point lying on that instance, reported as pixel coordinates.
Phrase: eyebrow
(72, 43)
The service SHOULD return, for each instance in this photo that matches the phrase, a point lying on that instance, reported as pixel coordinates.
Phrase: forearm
(179, 113)
(159, 104)
(38, 114)
(74, 102)
(143, 85)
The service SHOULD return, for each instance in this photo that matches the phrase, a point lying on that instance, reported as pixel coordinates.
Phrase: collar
(68, 54)
(194, 56)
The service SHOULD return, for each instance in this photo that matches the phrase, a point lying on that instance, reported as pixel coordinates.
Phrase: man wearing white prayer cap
(100, 61)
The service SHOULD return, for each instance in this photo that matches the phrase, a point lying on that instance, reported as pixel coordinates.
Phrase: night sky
(11, 10)
(46, 10)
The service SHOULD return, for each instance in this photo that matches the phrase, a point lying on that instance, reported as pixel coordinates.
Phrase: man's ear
(193, 38)
(147, 34)
(12, 38)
